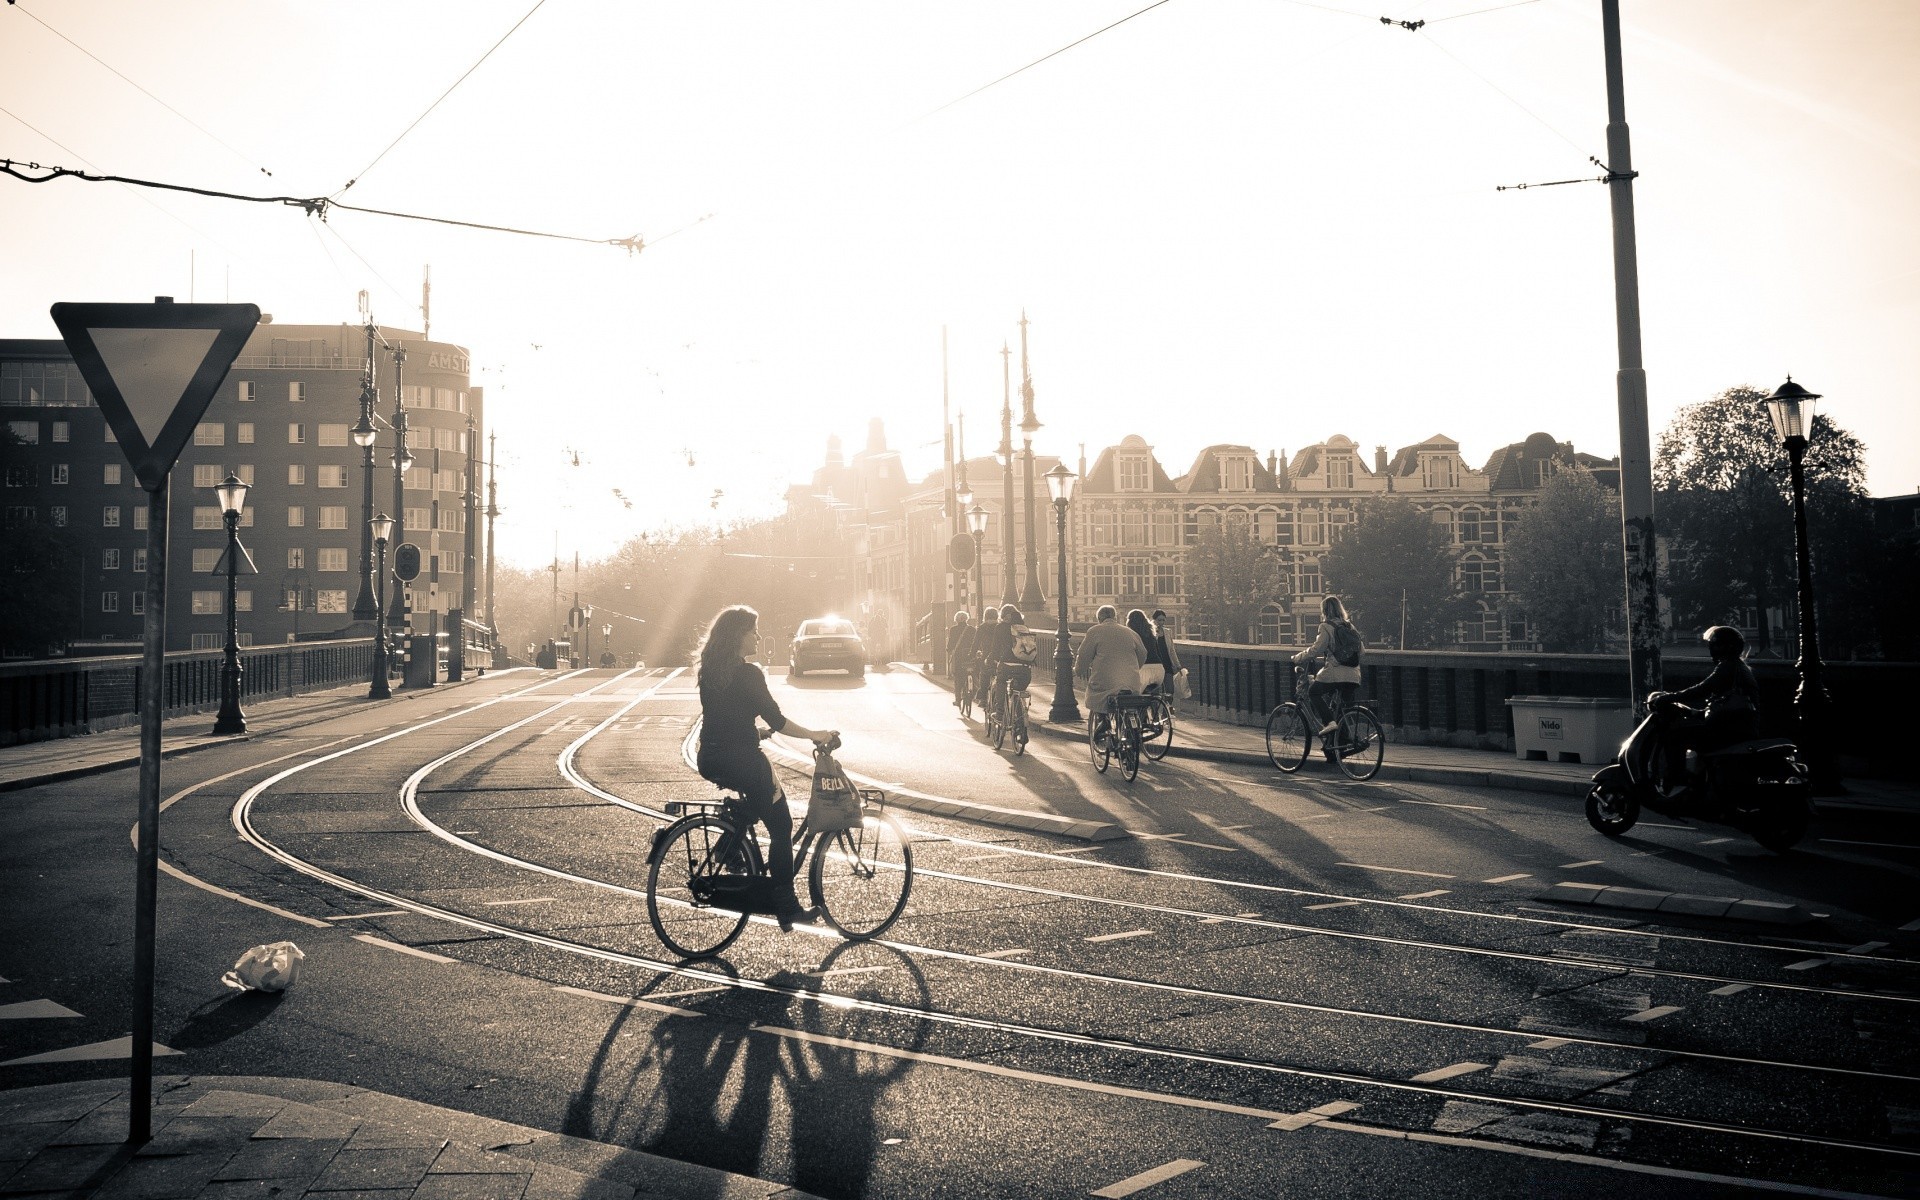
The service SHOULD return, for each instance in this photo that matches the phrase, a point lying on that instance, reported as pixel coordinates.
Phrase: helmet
(1724, 641)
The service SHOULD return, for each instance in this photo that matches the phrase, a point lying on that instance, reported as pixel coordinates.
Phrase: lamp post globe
(1792, 408)
(1060, 483)
(977, 517)
(382, 530)
(232, 494)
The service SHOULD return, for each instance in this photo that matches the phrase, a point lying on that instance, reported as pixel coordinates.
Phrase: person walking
(1160, 649)
(1153, 675)
(1337, 647)
(960, 636)
(1109, 662)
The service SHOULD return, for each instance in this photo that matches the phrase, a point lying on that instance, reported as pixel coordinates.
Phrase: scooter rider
(1720, 710)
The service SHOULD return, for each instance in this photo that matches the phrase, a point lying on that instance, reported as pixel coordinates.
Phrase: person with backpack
(989, 647)
(1011, 654)
(1337, 648)
(960, 637)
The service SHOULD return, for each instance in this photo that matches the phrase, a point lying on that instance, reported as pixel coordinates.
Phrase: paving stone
(557, 1183)
(394, 1168)
(60, 1168)
(1699, 906)
(21, 1142)
(40, 1105)
(298, 1120)
(235, 1104)
(461, 1159)
(186, 1134)
(1769, 911)
(365, 1194)
(378, 1135)
(99, 1129)
(255, 1189)
(278, 1158)
(174, 1177)
(447, 1123)
(1626, 897)
(474, 1187)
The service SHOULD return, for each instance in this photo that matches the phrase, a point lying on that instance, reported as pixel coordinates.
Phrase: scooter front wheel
(1612, 809)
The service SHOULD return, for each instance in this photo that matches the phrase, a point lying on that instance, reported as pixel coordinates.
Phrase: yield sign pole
(153, 369)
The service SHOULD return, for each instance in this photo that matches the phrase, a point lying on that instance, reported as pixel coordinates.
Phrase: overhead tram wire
(361, 173)
(14, 4)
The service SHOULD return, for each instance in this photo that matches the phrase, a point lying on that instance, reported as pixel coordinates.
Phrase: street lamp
(1792, 409)
(1060, 483)
(363, 434)
(402, 459)
(606, 641)
(381, 527)
(233, 498)
(977, 526)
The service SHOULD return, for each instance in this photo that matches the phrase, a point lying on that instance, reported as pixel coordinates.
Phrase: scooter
(1760, 786)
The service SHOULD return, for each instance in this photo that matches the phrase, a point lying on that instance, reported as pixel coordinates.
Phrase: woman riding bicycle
(733, 692)
(1334, 676)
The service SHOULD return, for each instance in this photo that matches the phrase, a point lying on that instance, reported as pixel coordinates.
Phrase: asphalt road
(1275, 986)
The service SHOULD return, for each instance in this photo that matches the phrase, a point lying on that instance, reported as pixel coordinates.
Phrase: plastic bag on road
(272, 967)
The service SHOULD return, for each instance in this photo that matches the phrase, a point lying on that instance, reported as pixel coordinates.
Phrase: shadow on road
(223, 1017)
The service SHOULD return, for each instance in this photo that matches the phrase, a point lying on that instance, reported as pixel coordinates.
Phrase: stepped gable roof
(1507, 471)
(1204, 476)
(1104, 475)
(1406, 460)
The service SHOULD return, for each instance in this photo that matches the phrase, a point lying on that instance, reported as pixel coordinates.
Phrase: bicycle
(1158, 726)
(1119, 730)
(1357, 744)
(706, 876)
(1007, 707)
(963, 681)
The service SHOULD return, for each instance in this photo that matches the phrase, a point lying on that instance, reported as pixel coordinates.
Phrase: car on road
(827, 644)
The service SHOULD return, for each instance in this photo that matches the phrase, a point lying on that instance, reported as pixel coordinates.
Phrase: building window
(139, 604)
(1133, 578)
(1264, 523)
(330, 600)
(1103, 527)
(1473, 575)
(140, 562)
(333, 516)
(140, 516)
(21, 476)
(207, 516)
(330, 476)
(27, 431)
(296, 433)
(417, 518)
(207, 475)
(206, 641)
(1166, 528)
(296, 474)
(1306, 579)
(110, 474)
(1103, 579)
(57, 473)
(206, 603)
(1166, 579)
(1135, 474)
(243, 601)
(1544, 470)
(1283, 527)
(109, 560)
(210, 433)
(1436, 471)
(331, 435)
(62, 431)
(205, 559)
(1467, 526)
(1236, 473)
(20, 514)
(296, 558)
(243, 433)
(110, 516)
(1312, 527)
(1340, 472)
(246, 391)
(1339, 521)
(296, 391)
(332, 558)
(1133, 527)
(110, 602)
(59, 512)
(296, 516)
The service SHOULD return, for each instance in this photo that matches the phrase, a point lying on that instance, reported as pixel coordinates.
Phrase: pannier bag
(834, 802)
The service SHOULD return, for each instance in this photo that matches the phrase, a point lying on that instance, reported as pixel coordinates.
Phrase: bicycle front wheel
(966, 700)
(1018, 719)
(693, 853)
(1359, 744)
(1159, 730)
(1288, 738)
(1128, 751)
(861, 877)
(996, 722)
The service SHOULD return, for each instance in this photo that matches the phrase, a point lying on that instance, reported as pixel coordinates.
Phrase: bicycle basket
(834, 802)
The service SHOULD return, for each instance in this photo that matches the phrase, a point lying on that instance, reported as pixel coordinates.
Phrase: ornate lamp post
(1060, 483)
(977, 526)
(1792, 409)
(606, 642)
(381, 527)
(363, 434)
(402, 459)
(233, 499)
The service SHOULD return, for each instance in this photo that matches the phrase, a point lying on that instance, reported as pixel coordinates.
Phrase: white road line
(1732, 989)
(1330, 904)
(700, 991)
(385, 912)
(1657, 825)
(1317, 817)
(1146, 1179)
(1010, 952)
(1114, 937)
(1396, 870)
(1314, 1116)
(1233, 828)
(1508, 878)
(982, 857)
(837, 971)
(1071, 849)
(506, 903)
(384, 944)
(1654, 1013)
(1549, 1043)
(1867, 947)
(1807, 964)
(1715, 841)
(1911, 926)
(27, 1010)
(1461, 1068)
(1439, 804)
(1591, 862)
(1425, 895)
(1877, 845)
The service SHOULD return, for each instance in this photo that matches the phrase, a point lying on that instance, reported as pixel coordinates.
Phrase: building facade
(281, 421)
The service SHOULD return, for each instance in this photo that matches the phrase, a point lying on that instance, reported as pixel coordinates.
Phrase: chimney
(834, 456)
(1271, 464)
(876, 436)
(1379, 460)
(1280, 469)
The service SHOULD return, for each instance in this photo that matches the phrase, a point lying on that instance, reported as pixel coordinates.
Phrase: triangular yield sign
(120, 1047)
(246, 566)
(153, 369)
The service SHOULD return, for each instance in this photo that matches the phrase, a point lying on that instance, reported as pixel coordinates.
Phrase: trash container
(421, 662)
(1569, 729)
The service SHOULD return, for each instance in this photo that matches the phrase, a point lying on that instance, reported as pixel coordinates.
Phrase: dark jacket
(1729, 692)
(730, 699)
(995, 642)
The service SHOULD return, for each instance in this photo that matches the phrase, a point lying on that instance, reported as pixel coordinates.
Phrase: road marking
(1591, 862)
(719, 987)
(1007, 953)
(1317, 817)
(1233, 828)
(1807, 964)
(1461, 1068)
(1878, 845)
(1911, 926)
(31, 1009)
(845, 971)
(1114, 937)
(1715, 841)
(1146, 1179)
(1438, 804)
(384, 944)
(385, 912)
(981, 857)
(1073, 849)
(532, 900)
(120, 1047)
(1732, 989)
(467, 832)
(1654, 1013)
(1508, 878)
(1395, 870)
(1657, 825)
(1314, 1116)
(1867, 947)
(1425, 895)
(1549, 1043)
(1330, 904)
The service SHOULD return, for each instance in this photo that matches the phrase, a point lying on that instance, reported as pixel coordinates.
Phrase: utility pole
(1032, 598)
(493, 511)
(1630, 383)
(950, 508)
(1009, 593)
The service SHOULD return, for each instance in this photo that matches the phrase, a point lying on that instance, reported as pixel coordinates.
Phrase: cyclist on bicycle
(990, 645)
(1337, 642)
(960, 637)
(1110, 659)
(1011, 655)
(733, 692)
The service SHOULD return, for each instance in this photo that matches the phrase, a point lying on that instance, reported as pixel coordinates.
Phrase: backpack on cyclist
(1346, 644)
(1026, 644)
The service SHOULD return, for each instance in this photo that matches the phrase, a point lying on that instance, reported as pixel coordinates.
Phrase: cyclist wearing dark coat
(994, 644)
(1721, 709)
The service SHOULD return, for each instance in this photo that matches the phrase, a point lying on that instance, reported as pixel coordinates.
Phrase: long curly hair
(720, 647)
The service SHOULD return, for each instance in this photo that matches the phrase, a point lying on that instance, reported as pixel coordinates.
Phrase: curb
(1766, 912)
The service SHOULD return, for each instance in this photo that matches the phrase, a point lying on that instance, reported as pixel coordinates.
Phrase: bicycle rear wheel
(966, 699)
(1100, 740)
(1159, 738)
(693, 853)
(1288, 738)
(1128, 750)
(1359, 743)
(996, 721)
(1018, 719)
(861, 877)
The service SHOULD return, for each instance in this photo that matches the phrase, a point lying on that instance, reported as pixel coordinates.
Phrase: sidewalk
(251, 1136)
(1218, 741)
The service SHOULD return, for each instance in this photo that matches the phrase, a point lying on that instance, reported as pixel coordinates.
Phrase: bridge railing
(53, 698)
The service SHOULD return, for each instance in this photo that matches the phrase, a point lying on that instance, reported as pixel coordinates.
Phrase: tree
(1230, 578)
(1725, 507)
(1394, 550)
(1563, 563)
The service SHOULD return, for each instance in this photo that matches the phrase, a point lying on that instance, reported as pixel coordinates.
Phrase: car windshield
(827, 629)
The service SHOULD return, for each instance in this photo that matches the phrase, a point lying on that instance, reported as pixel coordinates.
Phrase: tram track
(244, 824)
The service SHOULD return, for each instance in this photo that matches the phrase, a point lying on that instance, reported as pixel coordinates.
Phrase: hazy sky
(1261, 222)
